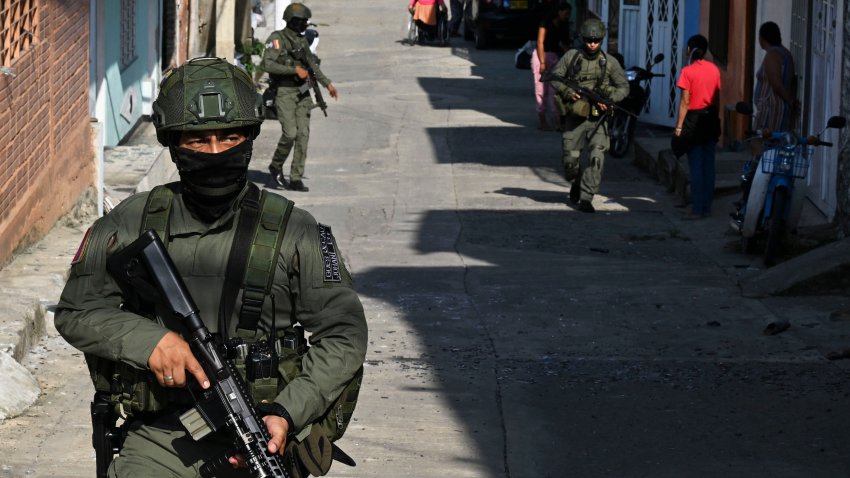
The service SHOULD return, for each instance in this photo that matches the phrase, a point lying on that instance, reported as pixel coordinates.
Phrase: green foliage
(248, 49)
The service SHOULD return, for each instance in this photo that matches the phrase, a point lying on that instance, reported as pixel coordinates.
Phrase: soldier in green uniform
(207, 115)
(288, 73)
(591, 69)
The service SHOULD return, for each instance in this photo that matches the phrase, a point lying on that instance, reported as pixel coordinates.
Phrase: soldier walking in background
(591, 69)
(288, 59)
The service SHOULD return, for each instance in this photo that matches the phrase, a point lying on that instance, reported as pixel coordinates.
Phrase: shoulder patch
(332, 272)
(81, 251)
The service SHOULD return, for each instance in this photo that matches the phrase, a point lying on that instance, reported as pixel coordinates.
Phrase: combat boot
(586, 206)
(298, 185)
(277, 180)
(575, 191)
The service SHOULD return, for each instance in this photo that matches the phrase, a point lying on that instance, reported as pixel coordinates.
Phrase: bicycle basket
(779, 161)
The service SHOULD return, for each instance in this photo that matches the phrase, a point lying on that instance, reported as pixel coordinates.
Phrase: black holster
(106, 437)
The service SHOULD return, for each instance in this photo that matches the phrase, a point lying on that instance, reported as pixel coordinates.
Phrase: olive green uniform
(311, 286)
(293, 107)
(579, 127)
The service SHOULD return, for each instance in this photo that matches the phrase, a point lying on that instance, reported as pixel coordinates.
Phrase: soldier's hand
(170, 360)
(332, 91)
(301, 73)
(278, 428)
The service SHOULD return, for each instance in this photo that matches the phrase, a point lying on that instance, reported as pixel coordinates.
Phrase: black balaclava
(298, 25)
(212, 181)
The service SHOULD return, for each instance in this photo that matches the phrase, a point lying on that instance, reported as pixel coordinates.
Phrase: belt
(287, 82)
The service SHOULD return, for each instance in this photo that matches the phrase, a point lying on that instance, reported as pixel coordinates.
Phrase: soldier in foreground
(289, 63)
(290, 279)
(591, 69)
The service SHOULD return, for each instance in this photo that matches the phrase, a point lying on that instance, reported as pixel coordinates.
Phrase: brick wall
(46, 154)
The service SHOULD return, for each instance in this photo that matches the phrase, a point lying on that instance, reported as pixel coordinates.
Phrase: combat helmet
(205, 94)
(593, 28)
(296, 10)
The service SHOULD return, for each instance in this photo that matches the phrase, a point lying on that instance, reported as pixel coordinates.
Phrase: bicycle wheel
(619, 134)
(412, 32)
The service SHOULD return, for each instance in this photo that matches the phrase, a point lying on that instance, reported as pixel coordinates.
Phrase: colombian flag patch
(81, 251)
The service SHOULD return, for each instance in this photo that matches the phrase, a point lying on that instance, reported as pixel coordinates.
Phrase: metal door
(825, 61)
(660, 30)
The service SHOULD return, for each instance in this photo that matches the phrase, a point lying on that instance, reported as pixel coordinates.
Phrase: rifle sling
(237, 261)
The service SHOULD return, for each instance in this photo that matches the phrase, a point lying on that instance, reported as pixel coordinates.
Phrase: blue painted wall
(692, 9)
(125, 88)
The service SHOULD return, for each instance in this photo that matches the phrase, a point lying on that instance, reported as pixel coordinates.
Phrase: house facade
(46, 154)
(816, 33)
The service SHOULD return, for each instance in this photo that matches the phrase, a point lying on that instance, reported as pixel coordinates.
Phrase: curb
(42, 269)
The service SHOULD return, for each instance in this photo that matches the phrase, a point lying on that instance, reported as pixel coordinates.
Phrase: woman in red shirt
(698, 124)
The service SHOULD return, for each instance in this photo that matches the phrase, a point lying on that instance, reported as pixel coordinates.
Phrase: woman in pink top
(698, 124)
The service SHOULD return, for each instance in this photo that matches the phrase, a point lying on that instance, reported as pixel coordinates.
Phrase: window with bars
(128, 32)
(18, 28)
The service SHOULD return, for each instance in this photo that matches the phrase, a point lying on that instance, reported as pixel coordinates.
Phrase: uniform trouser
(167, 450)
(576, 135)
(293, 112)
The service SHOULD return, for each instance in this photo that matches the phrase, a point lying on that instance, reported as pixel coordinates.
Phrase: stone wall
(46, 154)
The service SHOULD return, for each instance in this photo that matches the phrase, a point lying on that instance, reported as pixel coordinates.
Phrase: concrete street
(510, 335)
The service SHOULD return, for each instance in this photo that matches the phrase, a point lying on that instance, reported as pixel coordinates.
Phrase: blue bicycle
(776, 185)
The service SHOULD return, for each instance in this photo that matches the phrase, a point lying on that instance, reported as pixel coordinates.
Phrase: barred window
(128, 32)
(18, 28)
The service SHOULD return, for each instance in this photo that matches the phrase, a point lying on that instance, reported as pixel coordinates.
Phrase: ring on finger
(168, 378)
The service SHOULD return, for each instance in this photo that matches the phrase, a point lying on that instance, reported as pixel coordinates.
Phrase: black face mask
(298, 25)
(212, 181)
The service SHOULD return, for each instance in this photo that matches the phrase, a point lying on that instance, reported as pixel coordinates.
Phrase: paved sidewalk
(33, 281)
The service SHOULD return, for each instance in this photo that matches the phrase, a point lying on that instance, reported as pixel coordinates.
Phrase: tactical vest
(135, 391)
(581, 107)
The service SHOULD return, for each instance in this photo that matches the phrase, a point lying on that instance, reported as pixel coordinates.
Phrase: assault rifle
(591, 95)
(301, 55)
(145, 267)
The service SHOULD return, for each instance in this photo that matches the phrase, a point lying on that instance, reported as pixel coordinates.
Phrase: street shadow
(546, 197)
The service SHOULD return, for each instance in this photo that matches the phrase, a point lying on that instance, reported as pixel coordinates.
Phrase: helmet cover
(296, 10)
(593, 28)
(206, 94)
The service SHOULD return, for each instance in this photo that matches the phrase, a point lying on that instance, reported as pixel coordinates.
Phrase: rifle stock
(226, 403)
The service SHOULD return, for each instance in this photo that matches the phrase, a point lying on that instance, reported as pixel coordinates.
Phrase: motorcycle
(778, 186)
(621, 129)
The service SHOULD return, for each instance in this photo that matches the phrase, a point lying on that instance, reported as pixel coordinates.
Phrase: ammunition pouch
(580, 108)
(132, 391)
